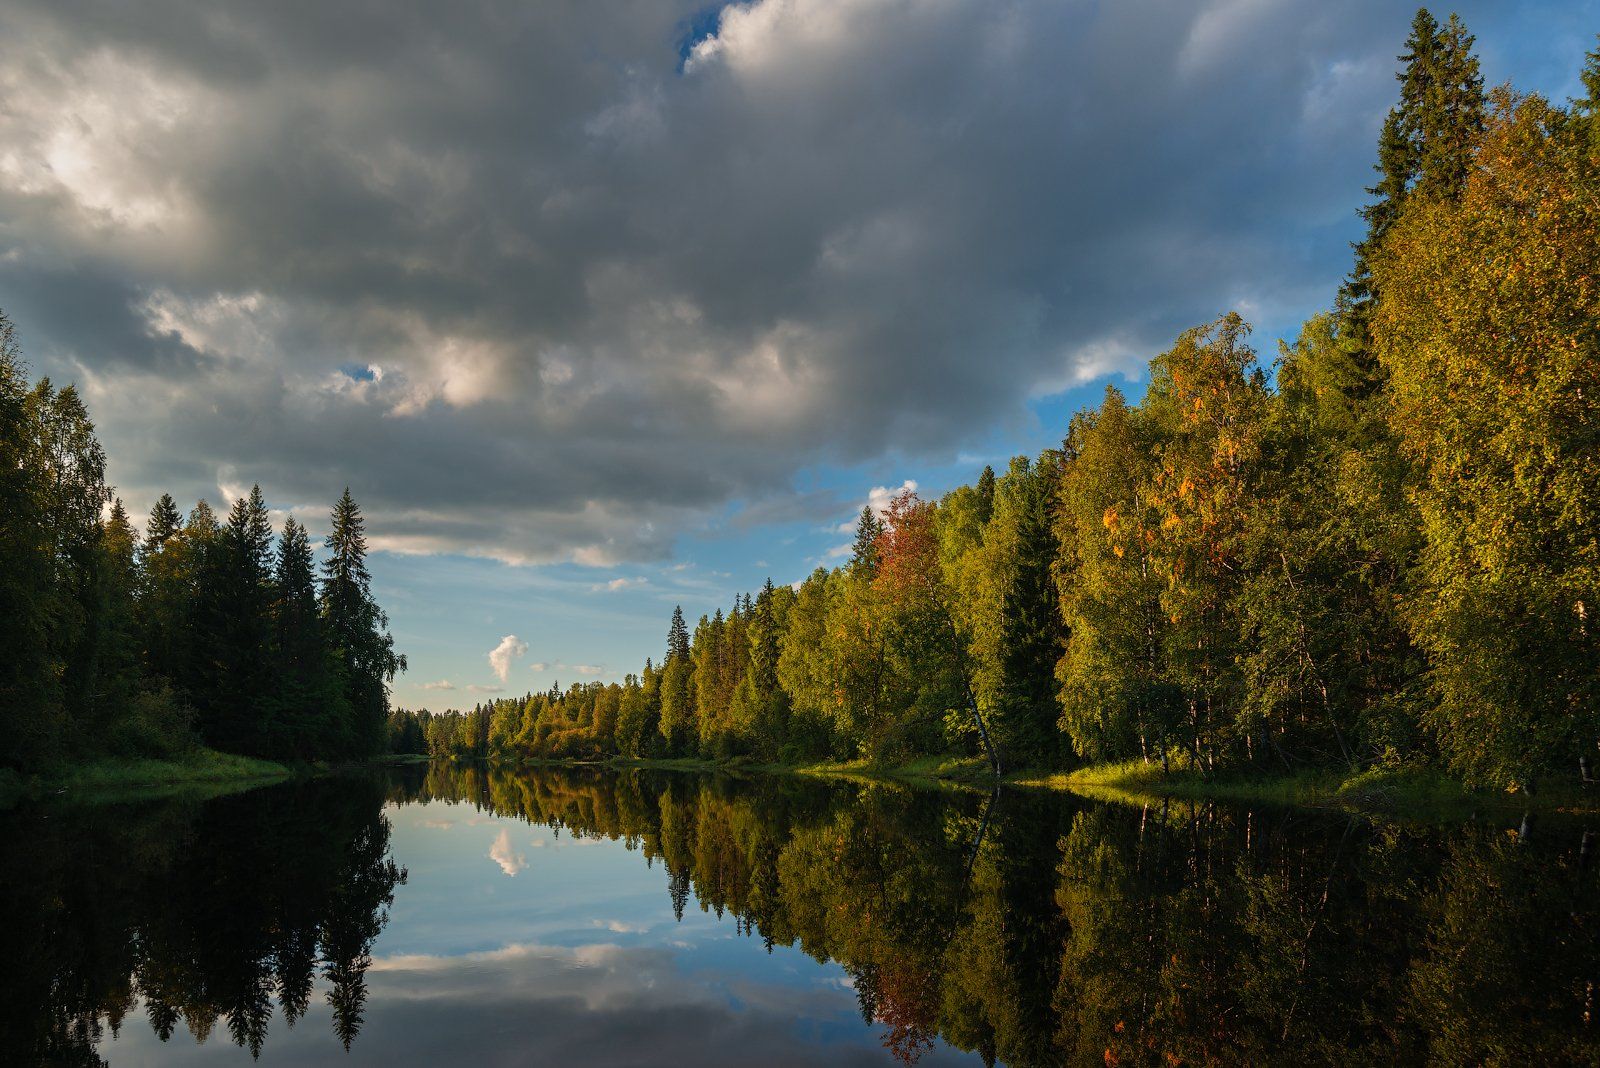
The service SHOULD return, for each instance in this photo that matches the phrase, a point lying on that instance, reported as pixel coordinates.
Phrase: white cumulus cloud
(501, 656)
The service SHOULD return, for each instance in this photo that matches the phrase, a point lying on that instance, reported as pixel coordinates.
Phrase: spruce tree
(237, 713)
(357, 628)
(866, 551)
(677, 636)
(312, 714)
(1587, 107)
(115, 640)
(163, 601)
(986, 494)
(1424, 150)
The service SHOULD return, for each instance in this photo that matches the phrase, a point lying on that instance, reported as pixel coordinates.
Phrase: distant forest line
(1387, 552)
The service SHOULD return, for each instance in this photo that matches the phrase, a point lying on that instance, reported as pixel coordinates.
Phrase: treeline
(1384, 548)
(200, 629)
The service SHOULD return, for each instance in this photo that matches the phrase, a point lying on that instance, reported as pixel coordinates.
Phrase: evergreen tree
(201, 562)
(357, 629)
(1587, 108)
(1424, 150)
(115, 640)
(1025, 709)
(677, 720)
(163, 596)
(237, 715)
(677, 636)
(865, 552)
(312, 713)
(985, 494)
(1448, 116)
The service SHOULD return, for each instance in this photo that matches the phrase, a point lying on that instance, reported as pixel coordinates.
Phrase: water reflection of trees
(207, 914)
(1185, 934)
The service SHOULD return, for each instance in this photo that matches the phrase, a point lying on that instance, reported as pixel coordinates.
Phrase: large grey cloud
(541, 284)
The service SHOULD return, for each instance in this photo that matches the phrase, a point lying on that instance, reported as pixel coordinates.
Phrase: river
(461, 915)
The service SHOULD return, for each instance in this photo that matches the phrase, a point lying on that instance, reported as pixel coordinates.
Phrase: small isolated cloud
(442, 684)
(503, 854)
(880, 496)
(619, 584)
(510, 648)
(478, 688)
(589, 669)
(878, 499)
(622, 926)
(538, 665)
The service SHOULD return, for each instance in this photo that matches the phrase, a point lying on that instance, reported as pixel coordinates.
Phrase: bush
(157, 724)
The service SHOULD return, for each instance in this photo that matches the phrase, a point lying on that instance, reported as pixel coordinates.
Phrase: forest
(1380, 549)
(203, 630)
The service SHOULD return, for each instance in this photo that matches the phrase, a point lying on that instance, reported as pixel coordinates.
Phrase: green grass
(200, 771)
(1404, 792)
(944, 772)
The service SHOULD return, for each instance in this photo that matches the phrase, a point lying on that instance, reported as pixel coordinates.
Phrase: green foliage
(1487, 329)
(117, 645)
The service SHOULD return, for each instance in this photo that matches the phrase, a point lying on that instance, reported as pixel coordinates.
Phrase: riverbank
(203, 771)
(1409, 793)
(1404, 793)
(1394, 792)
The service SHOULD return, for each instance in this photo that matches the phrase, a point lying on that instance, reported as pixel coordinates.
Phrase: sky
(604, 307)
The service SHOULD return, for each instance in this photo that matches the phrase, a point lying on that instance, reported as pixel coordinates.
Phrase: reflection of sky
(516, 944)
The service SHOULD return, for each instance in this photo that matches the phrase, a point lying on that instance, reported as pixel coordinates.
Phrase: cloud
(510, 648)
(617, 584)
(502, 853)
(589, 669)
(541, 288)
(480, 688)
(442, 684)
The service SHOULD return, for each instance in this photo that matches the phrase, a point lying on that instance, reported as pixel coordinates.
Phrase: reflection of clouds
(622, 927)
(436, 825)
(502, 854)
(604, 1004)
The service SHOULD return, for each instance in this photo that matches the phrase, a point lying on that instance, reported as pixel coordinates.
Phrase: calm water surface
(457, 916)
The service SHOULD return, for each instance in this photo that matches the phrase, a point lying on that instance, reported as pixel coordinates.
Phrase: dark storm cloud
(605, 283)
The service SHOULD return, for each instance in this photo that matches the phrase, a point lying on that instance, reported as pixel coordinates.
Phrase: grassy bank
(204, 771)
(932, 771)
(1397, 793)
(1420, 793)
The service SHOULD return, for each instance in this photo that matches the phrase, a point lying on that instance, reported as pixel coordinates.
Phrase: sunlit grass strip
(203, 767)
(1392, 791)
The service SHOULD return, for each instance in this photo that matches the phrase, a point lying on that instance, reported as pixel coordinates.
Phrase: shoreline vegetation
(1407, 793)
(1393, 793)
(200, 772)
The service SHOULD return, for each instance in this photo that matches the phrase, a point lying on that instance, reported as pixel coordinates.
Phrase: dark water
(455, 916)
